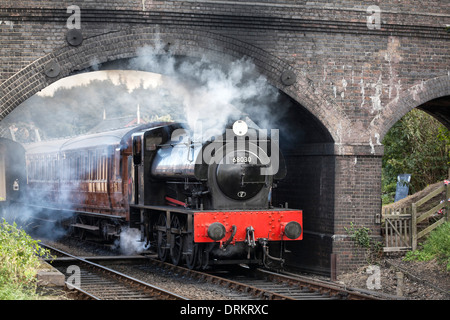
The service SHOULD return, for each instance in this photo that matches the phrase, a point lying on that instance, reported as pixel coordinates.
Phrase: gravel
(187, 287)
(423, 280)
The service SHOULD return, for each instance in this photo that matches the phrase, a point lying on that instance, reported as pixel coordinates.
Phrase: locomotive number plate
(242, 159)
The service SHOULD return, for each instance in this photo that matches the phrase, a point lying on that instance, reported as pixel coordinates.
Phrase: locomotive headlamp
(216, 231)
(293, 230)
(240, 128)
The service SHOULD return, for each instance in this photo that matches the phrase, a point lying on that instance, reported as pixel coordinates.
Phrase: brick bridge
(350, 70)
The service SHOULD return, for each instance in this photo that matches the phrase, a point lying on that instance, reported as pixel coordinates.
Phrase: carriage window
(117, 163)
(72, 168)
(91, 165)
(41, 169)
(85, 168)
(104, 168)
(98, 166)
(49, 170)
(78, 167)
(63, 167)
(32, 169)
(55, 169)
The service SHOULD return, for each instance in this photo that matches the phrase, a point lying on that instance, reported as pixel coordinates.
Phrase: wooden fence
(403, 227)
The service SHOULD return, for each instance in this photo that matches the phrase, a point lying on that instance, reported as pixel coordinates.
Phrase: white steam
(129, 242)
(210, 93)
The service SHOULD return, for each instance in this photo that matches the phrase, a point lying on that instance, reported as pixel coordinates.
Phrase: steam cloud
(195, 91)
(211, 93)
(129, 242)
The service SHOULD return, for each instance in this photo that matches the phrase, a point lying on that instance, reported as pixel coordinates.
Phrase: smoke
(44, 208)
(211, 94)
(38, 222)
(129, 242)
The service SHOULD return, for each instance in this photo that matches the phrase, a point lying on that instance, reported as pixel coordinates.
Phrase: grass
(436, 246)
(19, 261)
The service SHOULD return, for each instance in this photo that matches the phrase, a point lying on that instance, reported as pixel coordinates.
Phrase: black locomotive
(201, 201)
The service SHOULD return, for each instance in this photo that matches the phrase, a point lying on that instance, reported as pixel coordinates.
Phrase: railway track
(97, 282)
(242, 284)
(260, 284)
(301, 288)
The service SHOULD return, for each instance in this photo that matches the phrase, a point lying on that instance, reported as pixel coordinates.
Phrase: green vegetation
(19, 260)
(420, 145)
(436, 246)
(417, 144)
(361, 237)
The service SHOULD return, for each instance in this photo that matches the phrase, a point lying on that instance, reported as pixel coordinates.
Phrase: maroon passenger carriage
(154, 177)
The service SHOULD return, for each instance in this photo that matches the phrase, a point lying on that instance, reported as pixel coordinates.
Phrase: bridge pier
(334, 192)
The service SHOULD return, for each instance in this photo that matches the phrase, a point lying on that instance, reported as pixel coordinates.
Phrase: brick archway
(416, 96)
(188, 42)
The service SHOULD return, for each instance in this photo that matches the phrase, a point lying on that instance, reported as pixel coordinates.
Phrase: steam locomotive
(194, 200)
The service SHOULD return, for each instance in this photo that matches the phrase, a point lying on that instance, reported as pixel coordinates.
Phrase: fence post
(413, 226)
(447, 202)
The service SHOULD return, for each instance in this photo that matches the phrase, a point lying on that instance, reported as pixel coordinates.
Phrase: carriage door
(2, 174)
(131, 187)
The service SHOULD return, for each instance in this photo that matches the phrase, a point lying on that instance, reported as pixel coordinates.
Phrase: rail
(262, 284)
(102, 283)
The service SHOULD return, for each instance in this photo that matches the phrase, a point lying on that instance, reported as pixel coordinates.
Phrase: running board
(85, 226)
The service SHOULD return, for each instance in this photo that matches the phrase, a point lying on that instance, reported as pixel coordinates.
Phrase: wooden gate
(397, 230)
(439, 214)
(403, 227)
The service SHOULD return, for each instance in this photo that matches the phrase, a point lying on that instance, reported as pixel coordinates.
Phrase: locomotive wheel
(203, 255)
(200, 254)
(176, 246)
(162, 237)
(192, 258)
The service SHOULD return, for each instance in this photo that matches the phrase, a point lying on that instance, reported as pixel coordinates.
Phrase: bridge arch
(431, 96)
(68, 60)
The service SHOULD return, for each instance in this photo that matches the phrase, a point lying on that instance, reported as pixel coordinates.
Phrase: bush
(436, 246)
(361, 237)
(19, 260)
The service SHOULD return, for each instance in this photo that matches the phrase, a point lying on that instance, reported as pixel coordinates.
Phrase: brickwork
(354, 80)
(310, 186)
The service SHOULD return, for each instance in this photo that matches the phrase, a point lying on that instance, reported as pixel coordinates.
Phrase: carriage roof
(87, 141)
